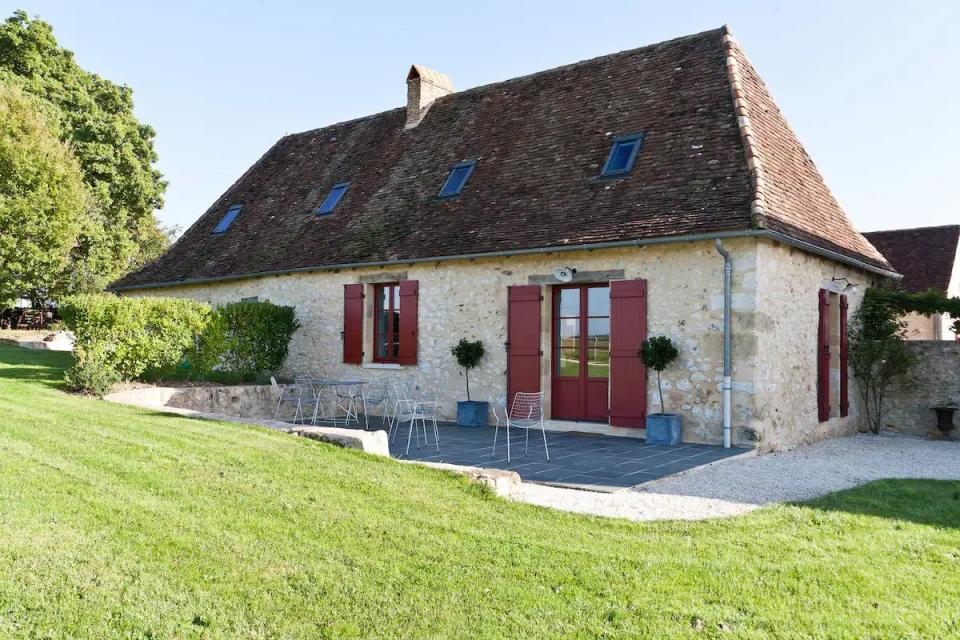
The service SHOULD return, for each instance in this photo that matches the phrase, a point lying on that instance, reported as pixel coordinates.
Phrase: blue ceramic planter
(664, 428)
(472, 413)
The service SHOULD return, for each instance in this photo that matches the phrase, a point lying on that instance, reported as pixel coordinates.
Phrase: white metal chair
(378, 395)
(410, 410)
(310, 394)
(526, 412)
(397, 393)
(287, 394)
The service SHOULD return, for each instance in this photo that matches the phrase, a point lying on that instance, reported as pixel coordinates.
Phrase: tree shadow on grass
(33, 365)
(929, 502)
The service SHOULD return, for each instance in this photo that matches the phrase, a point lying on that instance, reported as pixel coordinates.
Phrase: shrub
(878, 352)
(657, 353)
(245, 339)
(121, 338)
(468, 354)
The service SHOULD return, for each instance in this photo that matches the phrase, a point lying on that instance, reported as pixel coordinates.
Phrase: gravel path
(739, 485)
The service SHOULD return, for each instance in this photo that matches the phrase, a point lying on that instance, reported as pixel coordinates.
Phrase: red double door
(595, 334)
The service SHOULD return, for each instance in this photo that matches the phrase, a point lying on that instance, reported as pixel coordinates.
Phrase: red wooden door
(581, 352)
(628, 375)
(523, 340)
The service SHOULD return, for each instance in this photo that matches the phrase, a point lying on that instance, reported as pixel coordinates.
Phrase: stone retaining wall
(934, 381)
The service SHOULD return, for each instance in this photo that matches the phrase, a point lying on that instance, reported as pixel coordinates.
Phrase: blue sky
(870, 87)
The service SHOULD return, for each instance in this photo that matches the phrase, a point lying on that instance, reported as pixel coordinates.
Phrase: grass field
(124, 523)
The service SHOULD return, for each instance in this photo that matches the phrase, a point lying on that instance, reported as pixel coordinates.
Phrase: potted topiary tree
(470, 413)
(662, 428)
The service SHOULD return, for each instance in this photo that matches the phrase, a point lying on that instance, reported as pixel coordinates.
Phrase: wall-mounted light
(843, 283)
(564, 274)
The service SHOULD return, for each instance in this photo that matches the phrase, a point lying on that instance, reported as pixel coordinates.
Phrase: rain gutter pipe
(727, 386)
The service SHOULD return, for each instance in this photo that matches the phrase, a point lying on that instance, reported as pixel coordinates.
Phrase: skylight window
(228, 218)
(458, 177)
(336, 193)
(623, 154)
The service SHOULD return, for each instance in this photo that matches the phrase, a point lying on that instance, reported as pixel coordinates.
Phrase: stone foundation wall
(934, 381)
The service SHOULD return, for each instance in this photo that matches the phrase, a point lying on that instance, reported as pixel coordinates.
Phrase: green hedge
(149, 338)
(121, 338)
(244, 339)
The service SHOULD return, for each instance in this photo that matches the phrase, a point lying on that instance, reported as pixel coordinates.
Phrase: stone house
(927, 258)
(396, 234)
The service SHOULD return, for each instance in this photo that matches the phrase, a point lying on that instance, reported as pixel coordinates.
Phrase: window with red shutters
(409, 300)
(386, 322)
(628, 376)
(352, 334)
(844, 360)
(523, 340)
(823, 358)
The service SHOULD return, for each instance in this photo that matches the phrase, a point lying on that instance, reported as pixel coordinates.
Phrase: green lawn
(123, 523)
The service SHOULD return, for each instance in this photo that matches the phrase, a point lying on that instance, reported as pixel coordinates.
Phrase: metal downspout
(727, 386)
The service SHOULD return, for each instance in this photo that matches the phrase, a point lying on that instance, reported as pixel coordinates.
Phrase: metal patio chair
(526, 412)
(412, 410)
(310, 394)
(378, 394)
(287, 394)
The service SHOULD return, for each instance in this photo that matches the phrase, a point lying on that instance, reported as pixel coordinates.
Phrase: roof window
(623, 154)
(228, 218)
(336, 193)
(458, 177)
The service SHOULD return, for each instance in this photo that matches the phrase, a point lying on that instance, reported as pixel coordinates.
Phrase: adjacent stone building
(560, 218)
(927, 258)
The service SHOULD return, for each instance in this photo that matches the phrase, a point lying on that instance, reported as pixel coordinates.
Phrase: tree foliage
(878, 352)
(657, 353)
(468, 353)
(114, 151)
(926, 303)
(42, 197)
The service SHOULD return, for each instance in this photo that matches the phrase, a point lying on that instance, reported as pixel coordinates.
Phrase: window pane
(455, 180)
(620, 157)
(568, 362)
(383, 318)
(569, 303)
(396, 335)
(569, 334)
(598, 301)
(598, 347)
(332, 198)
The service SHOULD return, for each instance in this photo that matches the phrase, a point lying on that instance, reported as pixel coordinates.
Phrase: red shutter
(844, 358)
(408, 321)
(823, 358)
(628, 375)
(352, 335)
(523, 340)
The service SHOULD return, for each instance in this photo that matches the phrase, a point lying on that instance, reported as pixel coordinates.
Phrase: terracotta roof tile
(539, 142)
(925, 256)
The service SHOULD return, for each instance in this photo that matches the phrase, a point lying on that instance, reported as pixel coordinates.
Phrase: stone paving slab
(577, 460)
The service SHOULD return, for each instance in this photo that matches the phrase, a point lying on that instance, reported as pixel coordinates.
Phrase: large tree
(114, 150)
(43, 199)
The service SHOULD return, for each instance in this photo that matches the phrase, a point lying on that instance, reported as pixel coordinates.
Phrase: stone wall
(774, 329)
(934, 381)
(786, 324)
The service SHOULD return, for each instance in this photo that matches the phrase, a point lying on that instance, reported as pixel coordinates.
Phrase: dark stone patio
(577, 460)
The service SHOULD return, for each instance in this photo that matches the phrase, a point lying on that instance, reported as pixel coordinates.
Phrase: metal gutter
(696, 237)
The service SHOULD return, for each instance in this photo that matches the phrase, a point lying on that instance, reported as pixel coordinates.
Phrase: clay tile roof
(539, 142)
(925, 256)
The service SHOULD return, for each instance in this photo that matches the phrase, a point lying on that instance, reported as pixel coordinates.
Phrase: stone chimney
(423, 87)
